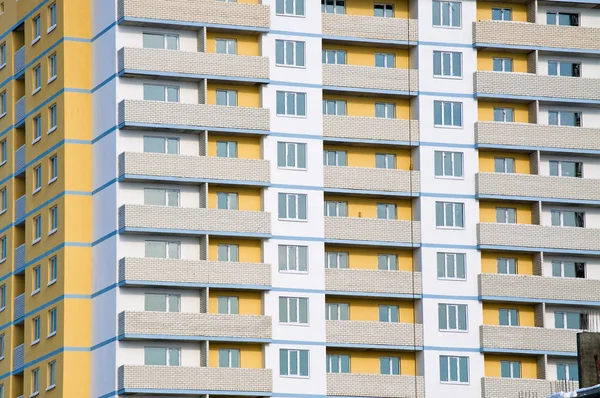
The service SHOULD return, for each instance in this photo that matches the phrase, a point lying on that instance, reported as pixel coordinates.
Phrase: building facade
(292, 199)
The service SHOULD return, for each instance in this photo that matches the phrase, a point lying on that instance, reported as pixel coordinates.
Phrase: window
(505, 215)
(385, 161)
(159, 92)
(37, 175)
(226, 46)
(3, 148)
(567, 371)
(37, 279)
(388, 313)
(385, 60)
(334, 107)
(227, 97)
(385, 110)
(447, 64)
(53, 220)
(161, 41)
(333, 6)
(36, 329)
(227, 149)
(3, 297)
(162, 302)
(2, 340)
(291, 104)
(228, 253)
(3, 103)
(161, 197)
(35, 381)
(51, 16)
(510, 369)
(389, 366)
(52, 322)
(448, 164)
(52, 270)
(228, 305)
(508, 317)
(158, 249)
(384, 10)
(293, 363)
(161, 145)
(3, 55)
(504, 115)
(447, 114)
(51, 375)
(387, 262)
(162, 356)
(37, 78)
(337, 57)
(338, 363)
(334, 158)
(289, 53)
(566, 169)
(337, 312)
(52, 118)
(454, 369)
(37, 128)
(52, 67)
(446, 14)
(37, 229)
(561, 218)
(293, 310)
(501, 14)
(53, 168)
(564, 68)
(568, 269)
(562, 18)
(290, 7)
(386, 211)
(451, 266)
(291, 155)
(229, 358)
(4, 200)
(504, 165)
(449, 215)
(570, 320)
(564, 118)
(3, 248)
(227, 200)
(293, 258)
(336, 209)
(506, 266)
(37, 29)
(452, 317)
(502, 64)
(292, 206)
(336, 260)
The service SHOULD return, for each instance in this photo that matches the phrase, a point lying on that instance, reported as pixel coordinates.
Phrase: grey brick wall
(198, 11)
(371, 229)
(538, 236)
(398, 29)
(202, 91)
(376, 333)
(201, 37)
(534, 161)
(203, 141)
(527, 338)
(371, 179)
(192, 219)
(193, 115)
(532, 62)
(533, 110)
(538, 315)
(203, 253)
(371, 128)
(370, 77)
(186, 271)
(532, 11)
(492, 387)
(371, 280)
(375, 385)
(200, 167)
(132, 377)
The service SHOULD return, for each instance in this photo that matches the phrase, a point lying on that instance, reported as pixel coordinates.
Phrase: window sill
(52, 180)
(2, 115)
(291, 15)
(452, 331)
(452, 279)
(447, 77)
(34, 342)
(52, 130)
(290, 66)
(292, 168)
(3, 163)
(3, 66)
(51, 334)
(52, 231)
(36, 291)
(51, 387)
(52, 282)
(36, 40)
(53, 78)
(37, 90)
(3, 260)
(36, 191)
(450, 228)
(35, 394)
(292, 220)
(293, 272)
(36, 140)
(459, 383)
(446, 27)
(36, 241)
(441, 126)
(291, 116)
(294, 377)
(51, 28)
(3, 211)
(449, 178)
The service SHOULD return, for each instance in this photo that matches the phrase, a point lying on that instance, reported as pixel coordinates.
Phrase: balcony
(18, 357)
(386, 335)
(531, 35)
(20, 208)
(200, 326)
(520, 338)
(370, 78)
(527, 85)
(536, 136)
(182, 273)
(372, 129)
(194, 221)
(20, 160)
(19, 60)
(392, 181)
(193, 65)
(19, 306)
(20, 111)
(372, 281)
(350, 28)
(20, 258)
(153, 166)
(177, 14)
(530, 287)
(537, 237)
(189, 380)
(372, 231)
(197, 117)
(492, 387)
(555, 189)
(375, 385)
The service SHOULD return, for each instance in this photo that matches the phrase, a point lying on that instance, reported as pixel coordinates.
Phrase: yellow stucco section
(485, 60)
(487, 158)
(365, 7)
(491, 314)
(368, 310)
(247, 147)
(249, 250)
(484, 10)
(487, 211)
(363, 207)
(245, 44)
(250, 303)
(367, 362)
(248, 96)
(489, 262)
(367, 257)
(528, 365)
(486, 110)
(365, 56)
(365, 106)
(248, 198)
(251, 355)
(360, 156)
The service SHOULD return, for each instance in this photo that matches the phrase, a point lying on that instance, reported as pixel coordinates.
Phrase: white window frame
(387, 59)
(336, 54)
(559, 114)
(292, 156)
(389, 160)
(506, 213)
(2, 55)
(336, 4)
(231, 149)
(37, 78)
(52, 68)
(230, 353)
(3, 104)
(444, 74)
(559, 164)
(512, 316)
(561, 265)
(167, 298)
(503, 11)
(297, 47)
(334, 361)
(447, 307)
(385, 7)
(450, 361)
(505, 62)
(51, 17)
(35, 382)
(231, 303)
(389, 110)
(567, 367)
(391, 211)
(168, 352)
(287, 96)
(561, 218)
(453, 109)
(334, 208)
(52, 321)
(231, 251)
(505, 165)
(287, 364)
(392, 313)
(165, 36)
(228, 46)
(52, 270)
(166, 88)
(229, 94)
(332, 157)
(36, 279)
(168, 244)
(333, 260)
(339, 108)
(37, 28)
(53, 169)
(558, 65)
(37, 229)
(333, 311)
(503, 265)
(506, 112)
(232, 200)
(441, 156)
(512, 369)
(282, 4)
(297, 199)
(52, 118)
(287, 304)
(290, 259)
(449, 261)
(441, 8)
(37, 129)
(51, 375)
(390, 262)
(454, 206)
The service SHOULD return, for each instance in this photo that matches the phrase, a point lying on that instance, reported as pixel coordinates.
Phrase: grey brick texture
(533, 110)
(202, 116)
(371, 128)
(195, 324)
(527, 338)
(370, 77)
(375, 385)
(376, 333)
(203, 252)
(372, 229)
(492, 387)
(198, 167)
(371, 179)
(534, 161)
(201, 37)
(132, 377)
(532, 62)
(538, 315)
(202, 91)
(398, 29)
(372, 280)
(162, 271)
(192, 219)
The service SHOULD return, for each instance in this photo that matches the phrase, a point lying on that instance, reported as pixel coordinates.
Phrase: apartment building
(358, 198)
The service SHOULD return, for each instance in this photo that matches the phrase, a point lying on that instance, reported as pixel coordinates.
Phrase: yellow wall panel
(250, 303)
(363, 207)
(486, 111)
(78, 107)
(486, 161)
(250, 251)
(487, 211)
(365, 106)
(485, 60)
(360, 156)
(528, 365)
(367, 362)
(489, 262)
(365, 56)
(251, 355)
(367, 257)
(368, 310)
(491, 315)
(484, 10)
(246, 44)
(365, 7)
(247, 147)
(77, 14)
(247, 96)
(248, 198)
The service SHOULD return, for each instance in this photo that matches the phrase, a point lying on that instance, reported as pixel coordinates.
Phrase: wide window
(291, 104)
(161, 197)
(386, 110)
(161, 41)
(229, 358)
(564, 118)
(385, 60)
(561, 168)
(291, 155)
(333, 6)
(564, 68)
(561, 218)
(454, 369)
(227, 200)
(334, 158)
(293, 310)
(385, 161)
(446, 14)
(226, 46)
(388, 313)
(448, 164)
(289, 53)
(161, 145)
(162, 302)
(228, 305)
(506, 266)
(337, 57)
(162, 249)
(502, 65)
(570, 320)
(451, 266)
(293, 258)
(336, 260)
(501, 14)
(290, 7)
(383, 10)
(226, 97)
(159, 92)
(449, 215)
(447, 64)
(228, 252)
(338, 363)
(227, 149)
(504, 115)
(568, 269)
(292, 206)
(337, 312)
(336, 209)
(386, 211)
(508, 317)
(389, 366)
(162, 356)
(293, 363)
(452, 317)
(562, 18)
(387, 262)
(334, 107)
(447, 114)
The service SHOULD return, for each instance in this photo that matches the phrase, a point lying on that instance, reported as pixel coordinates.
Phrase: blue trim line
(193, 285)
(450, 297)
(193, 128)
(193, 76)
(446, 145)
(538, 300)
(191, 24)
(451, 349)
(376, 347)
(539, 199)
(373, 294)
(448, 246)
(369, 192)
(152, 391)
(193, 232)
(296, 84)
(103, 31)
(539, 148)
(369, 141)
(370, 243)
(192, 180)
(444, 44)
(103, 187)
(447, 195)
(191, 338)
(442, 94)
(538, 249)
(538, 98)
(538, 48)
(529, 352)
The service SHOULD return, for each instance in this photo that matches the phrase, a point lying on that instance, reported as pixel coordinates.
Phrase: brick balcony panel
(492, 387)
(371, 229)
(375, 385)
(370, 77)
(140, 164)
(372, 281)
(371, 179)
(169, 115)
(185, 379)
(374, 333)
(199, 12)
(371, 128)
(370, 28)
(193, 64)
(527, 338)
(162, 271)
(194, 220)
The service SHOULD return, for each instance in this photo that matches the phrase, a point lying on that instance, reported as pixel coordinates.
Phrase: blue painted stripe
(447, 195)
(193, 232)
(452, 349)
(369, 192)
(376, 347)
(444, 44)
(191, 338)
(539, 249)
(186, 180)
(194, 128)
(369, 141)
(529, 352)
(190, 24)
(194, 76)
(540, 199)
(446, 144)
(193, 285)
(541, 300)
(373, 294)
(448, 246)
(450, 297)
(371, 243)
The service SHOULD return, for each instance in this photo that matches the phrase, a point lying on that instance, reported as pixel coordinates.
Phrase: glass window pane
(559, 320)
(172, 42)
(174, 301)
(443, 368)
(154, 145)
(442, 317)
(154, 92)
(173, 356)
(299, 53)
(304, 363)
(156, 249)
(155, 356)
(280, 103)
(437, 63)
(153, 41)
(155, 302)
(156, 197)
(279, 59)
(283, 362)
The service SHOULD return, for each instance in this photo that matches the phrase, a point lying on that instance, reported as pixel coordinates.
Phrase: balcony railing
(20, 60)
(19, 357)
(20, 159)
(20, 257)
(20, 110)
(20, 306)
(20, 208)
